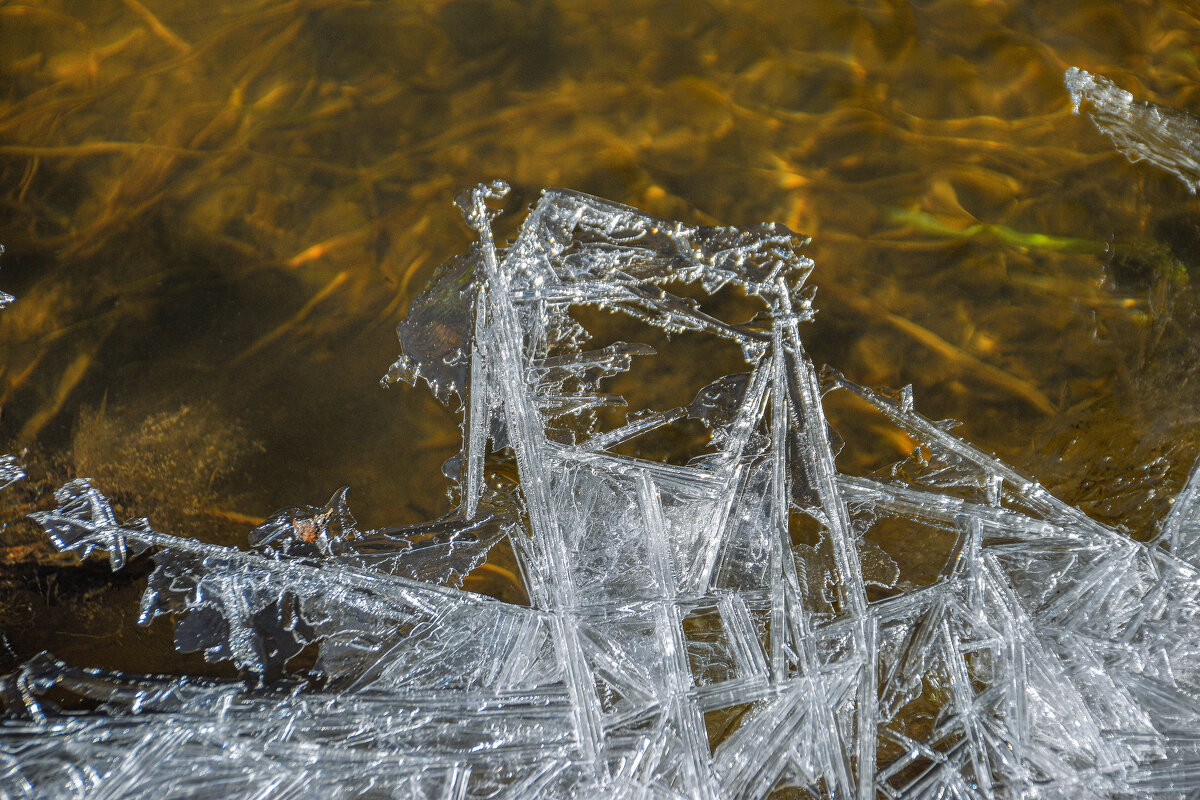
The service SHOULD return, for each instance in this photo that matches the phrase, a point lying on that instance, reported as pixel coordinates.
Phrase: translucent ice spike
(1142, 131)
(817, 455)
(1028, 491)
(506, 364)
(1180, 531)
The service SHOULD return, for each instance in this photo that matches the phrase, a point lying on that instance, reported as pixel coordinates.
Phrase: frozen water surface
(682, 639)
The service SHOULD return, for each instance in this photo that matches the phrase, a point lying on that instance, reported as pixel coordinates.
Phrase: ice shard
(680, 640)
(11, 471)
(1143, 131)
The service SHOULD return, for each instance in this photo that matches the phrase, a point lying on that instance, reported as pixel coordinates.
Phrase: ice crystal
(679, 642)
(11, 471)
(1163, 136)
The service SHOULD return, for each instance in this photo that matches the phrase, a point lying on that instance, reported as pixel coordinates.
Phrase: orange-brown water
(215, 214)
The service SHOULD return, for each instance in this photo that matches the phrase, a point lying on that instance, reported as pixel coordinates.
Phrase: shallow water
(215, 217)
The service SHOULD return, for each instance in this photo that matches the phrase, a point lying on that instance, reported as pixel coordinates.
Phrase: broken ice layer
(680, 641)
(1163, 136)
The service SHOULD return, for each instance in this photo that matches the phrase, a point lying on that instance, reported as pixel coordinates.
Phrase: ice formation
(1142, 131)
(11, 471)
(6, 299)
(681, 641)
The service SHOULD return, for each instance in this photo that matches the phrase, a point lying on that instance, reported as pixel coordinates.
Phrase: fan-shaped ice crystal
(680, 641)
